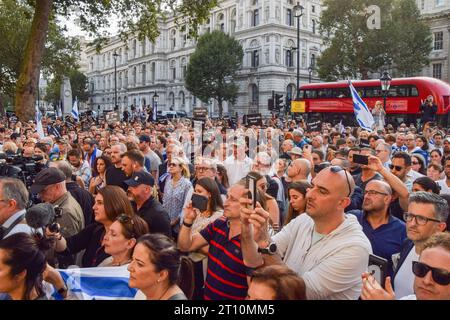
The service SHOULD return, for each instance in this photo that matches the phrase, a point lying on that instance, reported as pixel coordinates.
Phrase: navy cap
(140, 177)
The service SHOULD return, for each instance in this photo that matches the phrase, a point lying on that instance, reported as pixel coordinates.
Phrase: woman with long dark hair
(207, 188)
(110, 202)
(98, 181)
(159, 270)
(297, 199)
(22, 264)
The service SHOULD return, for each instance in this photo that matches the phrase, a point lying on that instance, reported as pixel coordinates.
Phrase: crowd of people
(170, 201)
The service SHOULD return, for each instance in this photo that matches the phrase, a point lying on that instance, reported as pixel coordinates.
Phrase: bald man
(325, 247)
(299, 169)
(385, 232)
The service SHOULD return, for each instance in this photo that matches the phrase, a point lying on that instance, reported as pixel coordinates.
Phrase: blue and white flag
(75, 110)
(100, 283)
(363, 115)
(39, 128)
(341, 127)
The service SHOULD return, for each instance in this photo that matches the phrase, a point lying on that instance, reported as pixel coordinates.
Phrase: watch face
(272, 247)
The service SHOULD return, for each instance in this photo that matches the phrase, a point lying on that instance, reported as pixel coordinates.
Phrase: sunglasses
(397, 168)
(440, 276)
(336, 169)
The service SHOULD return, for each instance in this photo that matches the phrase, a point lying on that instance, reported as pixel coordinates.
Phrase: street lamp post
(310, 70)
(155, 105)
(115, 55)
(385, 85)
(298, 12)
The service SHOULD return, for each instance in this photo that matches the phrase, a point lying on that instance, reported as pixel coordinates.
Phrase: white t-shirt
(331, 266)
(445, 189)
(404, 280)
(237, 169)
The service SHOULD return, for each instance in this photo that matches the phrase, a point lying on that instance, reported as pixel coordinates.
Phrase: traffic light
(278, 101)
(270, 103)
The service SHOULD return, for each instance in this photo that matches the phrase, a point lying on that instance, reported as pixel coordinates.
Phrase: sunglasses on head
(440, 276)
(123, 218)
(336, 169)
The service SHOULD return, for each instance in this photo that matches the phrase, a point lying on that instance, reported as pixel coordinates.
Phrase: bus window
(310, 94)
(372, 92)
(413, 92)
(325, 93)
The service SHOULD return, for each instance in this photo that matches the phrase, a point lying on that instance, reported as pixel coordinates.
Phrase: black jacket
(85, 199)
(155, 215)
(428, 112)
(90, 239)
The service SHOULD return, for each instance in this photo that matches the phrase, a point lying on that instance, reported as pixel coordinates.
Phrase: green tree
(139, 17)
(353, 50)
(213, 66)
(60, 54)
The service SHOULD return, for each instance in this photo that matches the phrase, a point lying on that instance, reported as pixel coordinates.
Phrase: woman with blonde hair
(379, 114)
(176, 189)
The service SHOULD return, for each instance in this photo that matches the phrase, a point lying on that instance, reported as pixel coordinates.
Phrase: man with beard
(140, 192)
(81, 168)
(385, 232)
(325, 247)
(114, 174)
(426, 216)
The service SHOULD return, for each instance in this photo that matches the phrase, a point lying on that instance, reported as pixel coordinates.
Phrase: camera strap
(4, 231)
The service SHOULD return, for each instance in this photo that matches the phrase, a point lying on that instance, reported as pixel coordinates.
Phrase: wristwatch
(270, 249)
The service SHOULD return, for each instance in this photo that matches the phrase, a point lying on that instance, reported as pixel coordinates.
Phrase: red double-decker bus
(333, 101)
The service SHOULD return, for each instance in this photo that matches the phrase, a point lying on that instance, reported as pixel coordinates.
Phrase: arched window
(255, 58)
(182, 99)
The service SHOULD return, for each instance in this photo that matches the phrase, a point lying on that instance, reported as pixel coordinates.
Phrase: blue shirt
(387, 239)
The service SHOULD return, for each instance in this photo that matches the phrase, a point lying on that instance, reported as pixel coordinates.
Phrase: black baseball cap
(144, 138)
(140, 177)
(45, 178)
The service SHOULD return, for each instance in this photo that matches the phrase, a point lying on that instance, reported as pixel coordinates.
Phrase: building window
(289, 19)
(313, 26)
(255, 95)
(422, 4)
(255, 58)
(437, 70)
(153, 66)
(134, 48)
(255, 18)
(313, 61)
(438, 40)
(313, 9)
(144, 72)
(174, 73)
(289, 61)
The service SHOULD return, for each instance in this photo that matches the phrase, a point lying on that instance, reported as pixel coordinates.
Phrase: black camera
(23, 168)
(53, 226)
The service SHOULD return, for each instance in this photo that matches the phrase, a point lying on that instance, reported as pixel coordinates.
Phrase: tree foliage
(354, 51)
(213, 66)
(60, 53)
(139, 17)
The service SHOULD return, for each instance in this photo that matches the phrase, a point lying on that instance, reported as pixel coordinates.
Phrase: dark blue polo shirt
(387, 239)
(226, 277)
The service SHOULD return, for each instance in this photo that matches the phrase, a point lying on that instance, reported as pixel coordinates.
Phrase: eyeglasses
(420, 220)
(336, 169)
(397, 168)
(374, 193)
(440, 276)
(201, 169)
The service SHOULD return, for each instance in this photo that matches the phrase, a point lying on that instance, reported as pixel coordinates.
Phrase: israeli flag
(363, 115)
(75, 110)
(341, 127)
(100, 283)
(39, 128)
